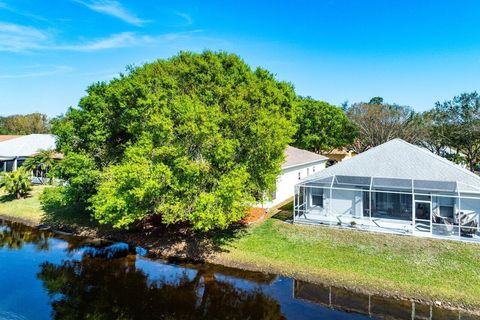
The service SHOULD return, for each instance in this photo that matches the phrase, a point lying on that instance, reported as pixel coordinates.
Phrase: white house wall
(289, 178)
(346, 203)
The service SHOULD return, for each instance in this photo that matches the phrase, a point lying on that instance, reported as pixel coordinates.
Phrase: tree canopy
(379, 122)
(322, 127)
(195, 138)
(25, 124)
(456, 124)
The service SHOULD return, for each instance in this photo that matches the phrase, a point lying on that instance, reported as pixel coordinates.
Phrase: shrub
(16, 183)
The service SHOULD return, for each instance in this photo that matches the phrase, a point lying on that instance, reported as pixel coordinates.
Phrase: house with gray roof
(298, 164)
(14, 150)
(395, 187)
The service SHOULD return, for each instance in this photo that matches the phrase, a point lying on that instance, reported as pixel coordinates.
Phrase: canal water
(47, 276)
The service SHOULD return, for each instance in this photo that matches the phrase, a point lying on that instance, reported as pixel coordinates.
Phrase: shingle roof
(25, 146)
(5, 137)
(296, 157)
(400, 159)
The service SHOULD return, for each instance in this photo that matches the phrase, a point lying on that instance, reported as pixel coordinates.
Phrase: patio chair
(446, 222)
(469, 224)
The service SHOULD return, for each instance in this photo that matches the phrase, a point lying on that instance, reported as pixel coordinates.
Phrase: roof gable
(400, 159)
(295, 157)
(25, 146)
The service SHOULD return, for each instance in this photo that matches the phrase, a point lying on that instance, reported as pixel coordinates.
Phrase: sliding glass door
(423, 217)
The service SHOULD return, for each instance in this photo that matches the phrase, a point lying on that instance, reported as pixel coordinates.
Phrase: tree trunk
(18, 195)
(471, 165)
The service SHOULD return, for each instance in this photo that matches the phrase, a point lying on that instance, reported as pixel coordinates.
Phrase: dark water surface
(44, 276)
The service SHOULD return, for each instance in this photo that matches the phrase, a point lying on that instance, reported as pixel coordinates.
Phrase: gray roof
(400, 159)
(26, 146)
(295, 157)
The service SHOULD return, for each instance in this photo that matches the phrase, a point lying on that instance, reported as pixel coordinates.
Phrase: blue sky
(409, 52)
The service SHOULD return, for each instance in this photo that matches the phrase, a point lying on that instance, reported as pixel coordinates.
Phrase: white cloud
(114, 9)
(55, 70)
(188, 20)
(6, 7)
(120, 40)
(17, 38)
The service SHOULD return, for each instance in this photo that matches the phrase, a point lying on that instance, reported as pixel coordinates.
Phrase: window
(308, 171)
(392, 206)
(313, 169)
(317, 197)
(299, 175)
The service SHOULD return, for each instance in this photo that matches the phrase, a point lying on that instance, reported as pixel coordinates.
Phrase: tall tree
(461, 120)
(194, 138)
(436, 130)
(25, 124)
(380, 122)
(322, 126)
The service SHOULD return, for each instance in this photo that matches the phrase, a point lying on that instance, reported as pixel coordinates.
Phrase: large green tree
(458, 126)
(322, 126)
(195, 138)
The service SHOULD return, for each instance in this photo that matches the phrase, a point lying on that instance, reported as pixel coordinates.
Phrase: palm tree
(41, 163)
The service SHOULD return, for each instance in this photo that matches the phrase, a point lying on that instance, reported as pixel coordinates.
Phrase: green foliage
(41, 164)
(457, 125)
(193, 138)
(54, 197)
(322, 127)
(25, 124)
(16, 183)
(376, 100)
(81, 175)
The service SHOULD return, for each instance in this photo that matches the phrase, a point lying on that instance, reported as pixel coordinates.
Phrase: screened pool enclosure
(444, 209)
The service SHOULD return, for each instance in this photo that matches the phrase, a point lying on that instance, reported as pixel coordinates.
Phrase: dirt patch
(254, 215)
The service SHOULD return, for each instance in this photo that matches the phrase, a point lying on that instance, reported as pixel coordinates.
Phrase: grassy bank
(420, 268)
(30, 210)
(25, 209)
(424, 269)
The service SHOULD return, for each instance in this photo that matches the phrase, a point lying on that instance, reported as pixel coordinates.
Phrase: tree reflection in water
(15, 236)
(97, 288)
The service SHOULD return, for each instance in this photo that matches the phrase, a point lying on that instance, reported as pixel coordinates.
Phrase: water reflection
(64, 277)
(15, 236)
(94, 288)
(371, 305)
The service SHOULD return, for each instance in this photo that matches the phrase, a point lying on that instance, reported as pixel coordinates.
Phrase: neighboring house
(394, 187)
(298, 164)
(338, 155)
(14, 150)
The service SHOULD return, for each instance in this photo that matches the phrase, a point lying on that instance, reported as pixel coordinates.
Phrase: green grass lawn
(379, 263)
(30, 210)
(26, 209)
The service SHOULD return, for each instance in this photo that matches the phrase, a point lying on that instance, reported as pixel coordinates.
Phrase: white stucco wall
(346, 202)
(289, 178)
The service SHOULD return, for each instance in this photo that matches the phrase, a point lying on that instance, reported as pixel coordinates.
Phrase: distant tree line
(25, 124)
(450, 129)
